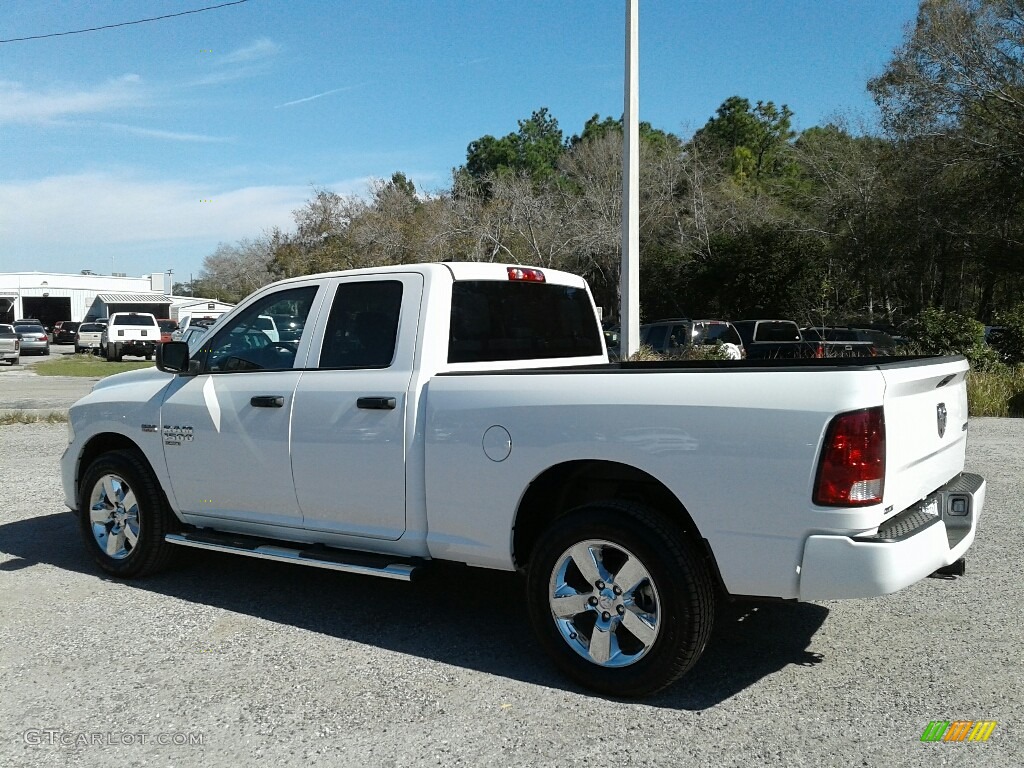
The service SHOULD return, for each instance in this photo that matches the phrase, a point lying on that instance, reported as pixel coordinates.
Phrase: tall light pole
(629, 286)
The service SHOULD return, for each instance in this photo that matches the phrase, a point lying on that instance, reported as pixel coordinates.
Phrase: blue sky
(138, 149)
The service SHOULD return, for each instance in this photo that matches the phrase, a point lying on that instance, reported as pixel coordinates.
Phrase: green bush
(936, 332)
(1010, 341)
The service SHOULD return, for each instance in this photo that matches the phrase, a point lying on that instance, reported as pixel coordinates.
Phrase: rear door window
(362, 329)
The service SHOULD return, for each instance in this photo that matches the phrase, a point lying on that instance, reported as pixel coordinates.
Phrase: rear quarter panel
(738, 448)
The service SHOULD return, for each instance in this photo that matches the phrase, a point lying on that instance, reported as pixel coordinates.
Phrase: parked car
(613, 342)
(34, 339)
(193, 321)
(167, 328)
(190, 335)
(64, 331)
(289, 327)
(10, 344)
(675, 337)
(87, 339)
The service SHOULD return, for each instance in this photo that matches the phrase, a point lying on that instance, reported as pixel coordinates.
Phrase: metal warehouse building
(50, 297)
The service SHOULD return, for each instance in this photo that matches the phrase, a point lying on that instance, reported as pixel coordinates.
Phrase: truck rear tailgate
(926, 427)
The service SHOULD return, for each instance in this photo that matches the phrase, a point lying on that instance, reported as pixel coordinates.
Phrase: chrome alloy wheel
(604, 603)
(114, 516)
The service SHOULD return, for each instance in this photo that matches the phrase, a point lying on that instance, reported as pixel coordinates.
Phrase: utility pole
(629, 285)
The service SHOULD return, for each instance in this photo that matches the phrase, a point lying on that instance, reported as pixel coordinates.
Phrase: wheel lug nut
(599, 584)
(606, 615)
(621, 610)
(617, 589)
(592, 601)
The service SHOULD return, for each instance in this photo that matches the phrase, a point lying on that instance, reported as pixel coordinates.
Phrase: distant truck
(10, 345)
(130, 333)
(775, 340)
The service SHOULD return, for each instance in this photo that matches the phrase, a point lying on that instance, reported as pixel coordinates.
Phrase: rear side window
(493, 320)
(777, 332)
(722, 332)
(91, 328)
(363, 327)
(655, 337)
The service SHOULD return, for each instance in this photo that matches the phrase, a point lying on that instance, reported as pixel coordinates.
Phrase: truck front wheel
(124, 516)
(621, 599)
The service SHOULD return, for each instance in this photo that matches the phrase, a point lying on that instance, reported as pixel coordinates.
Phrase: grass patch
(86, 365)
(18, 417)
(996, 393)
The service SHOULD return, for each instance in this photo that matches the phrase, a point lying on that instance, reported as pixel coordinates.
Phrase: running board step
(318, 556)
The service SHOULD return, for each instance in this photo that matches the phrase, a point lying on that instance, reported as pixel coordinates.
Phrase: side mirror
(172, 357)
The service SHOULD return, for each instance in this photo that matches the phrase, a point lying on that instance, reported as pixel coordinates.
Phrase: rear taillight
(852, 468)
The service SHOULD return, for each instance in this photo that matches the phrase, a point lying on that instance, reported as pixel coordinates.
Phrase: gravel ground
(264, 661)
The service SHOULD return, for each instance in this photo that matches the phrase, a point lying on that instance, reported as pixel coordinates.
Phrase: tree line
(746, 218)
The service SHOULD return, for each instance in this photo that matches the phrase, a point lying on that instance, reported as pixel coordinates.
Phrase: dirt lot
(225, 661)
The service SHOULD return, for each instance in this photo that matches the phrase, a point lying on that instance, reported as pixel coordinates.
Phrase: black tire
(46, 351)
(78, 350)
(118, 354)
(108, 352)
(153, 518)
(149, 355)
(683, 591)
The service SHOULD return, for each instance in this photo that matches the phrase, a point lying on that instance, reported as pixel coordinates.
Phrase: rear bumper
(909, 547)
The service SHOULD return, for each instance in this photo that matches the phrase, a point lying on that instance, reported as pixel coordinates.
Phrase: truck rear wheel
(620, 599)
(124, 516)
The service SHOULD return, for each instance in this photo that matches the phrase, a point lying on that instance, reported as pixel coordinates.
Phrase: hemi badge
(150, 428)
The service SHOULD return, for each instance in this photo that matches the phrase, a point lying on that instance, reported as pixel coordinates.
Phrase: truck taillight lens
(525, 274)
(852, 469)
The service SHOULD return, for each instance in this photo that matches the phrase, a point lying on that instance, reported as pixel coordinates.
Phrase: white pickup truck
(130, 333)
(468, 412)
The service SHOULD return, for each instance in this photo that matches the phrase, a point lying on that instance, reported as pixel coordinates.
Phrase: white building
(50, 297)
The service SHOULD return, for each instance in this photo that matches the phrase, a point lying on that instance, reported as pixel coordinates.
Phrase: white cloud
(90, 210)
(155, 133)
(262, 48)
(97, 209)
(19, 105)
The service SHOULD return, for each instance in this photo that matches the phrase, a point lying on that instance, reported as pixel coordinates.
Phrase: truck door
(349, 418)
(226, 429)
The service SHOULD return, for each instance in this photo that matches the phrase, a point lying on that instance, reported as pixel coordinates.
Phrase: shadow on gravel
(468, 617)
